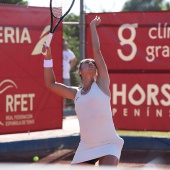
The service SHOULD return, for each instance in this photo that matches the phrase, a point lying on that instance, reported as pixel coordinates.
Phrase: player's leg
(108, 160)
(89, 162)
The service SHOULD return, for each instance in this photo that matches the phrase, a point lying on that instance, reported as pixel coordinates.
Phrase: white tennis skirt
(85, 153)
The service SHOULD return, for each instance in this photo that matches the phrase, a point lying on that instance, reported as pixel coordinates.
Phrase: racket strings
(60, 7)
(57, 12)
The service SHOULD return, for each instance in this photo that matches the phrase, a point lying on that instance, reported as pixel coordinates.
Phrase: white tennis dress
(97, 131)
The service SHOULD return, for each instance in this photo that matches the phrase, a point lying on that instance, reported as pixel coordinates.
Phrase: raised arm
(103, 79)
(50, 80)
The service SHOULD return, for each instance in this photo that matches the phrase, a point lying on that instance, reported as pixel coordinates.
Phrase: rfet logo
(16, 104)
(6, 84)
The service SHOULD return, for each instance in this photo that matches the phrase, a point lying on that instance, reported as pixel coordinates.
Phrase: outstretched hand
(96, 21)
(48, 52)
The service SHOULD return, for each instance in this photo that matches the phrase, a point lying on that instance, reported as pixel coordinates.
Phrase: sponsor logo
(19, 107)
(16, 35)
(159, 32)
(6, 84)
(38, 47)
(153, 100)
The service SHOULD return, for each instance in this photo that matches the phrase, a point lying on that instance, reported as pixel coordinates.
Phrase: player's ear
(79, 72)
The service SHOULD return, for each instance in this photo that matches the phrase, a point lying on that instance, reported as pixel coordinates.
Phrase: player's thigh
(109, 160)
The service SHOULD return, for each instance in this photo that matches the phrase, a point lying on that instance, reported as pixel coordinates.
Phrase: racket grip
(48, 41)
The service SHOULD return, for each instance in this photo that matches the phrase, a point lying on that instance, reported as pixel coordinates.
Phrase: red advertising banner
(135, 46)
(141, 101)
(133, 40)
(25, 103)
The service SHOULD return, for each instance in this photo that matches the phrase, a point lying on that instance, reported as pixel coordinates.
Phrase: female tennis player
(99, 140)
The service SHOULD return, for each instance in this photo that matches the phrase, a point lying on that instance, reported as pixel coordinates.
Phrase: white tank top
(95, 118)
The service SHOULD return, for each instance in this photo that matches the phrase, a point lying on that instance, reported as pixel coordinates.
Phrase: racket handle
(48, 41)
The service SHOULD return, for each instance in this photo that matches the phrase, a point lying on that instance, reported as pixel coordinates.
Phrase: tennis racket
(59, 9)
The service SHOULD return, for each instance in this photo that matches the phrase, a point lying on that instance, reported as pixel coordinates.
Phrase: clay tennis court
(135, 159)
(129, 159)
(23, 150)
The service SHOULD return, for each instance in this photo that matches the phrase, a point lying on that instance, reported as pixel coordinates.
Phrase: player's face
(88, 66)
